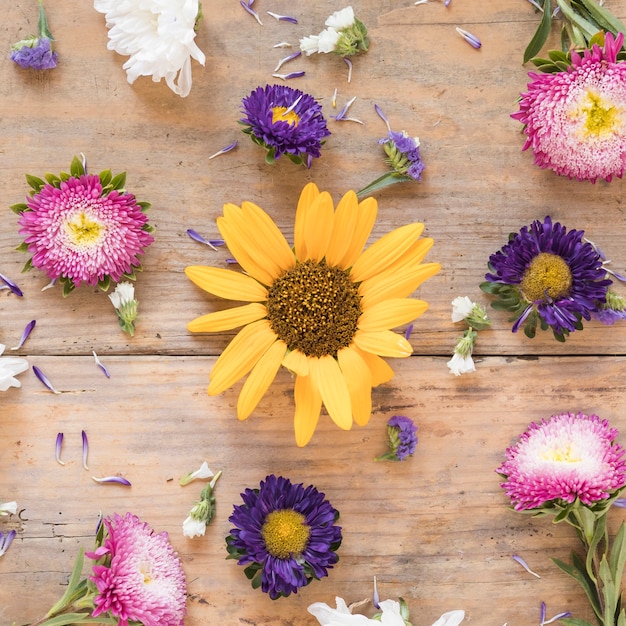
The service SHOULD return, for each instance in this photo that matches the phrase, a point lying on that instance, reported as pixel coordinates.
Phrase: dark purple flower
(550, 273)
(285, 121)
(35, 52)
(285, 534)
(402, 436)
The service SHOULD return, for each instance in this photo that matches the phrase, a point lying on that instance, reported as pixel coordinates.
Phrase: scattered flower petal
(382, 116)
(85, 448)
(283, 18)
(99, 363)
(57, 449)
(282, 44)
(202, 472)
(471, 39)
(289, 76)
(295, 55)
(112, 479)
(212, 243)
(44, 379)
(250, 10)
(27, 331)
(11, 285)
(228, 148)
(334, 99)
(51, 284)
(5, 540)
(375, 596)
(523, 563)
(8, 508)
(10, 367)
(349, 64)
(408, 331)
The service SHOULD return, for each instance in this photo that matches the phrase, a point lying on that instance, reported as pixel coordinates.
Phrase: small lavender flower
(402, 438)
(612, 310)
(36, 52)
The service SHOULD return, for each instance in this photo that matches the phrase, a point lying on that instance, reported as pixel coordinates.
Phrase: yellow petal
(308, 406)
(226, 283)
(329, 380)
(240, 355)
(383, 343)
(385, 251)
(296, 361)
(380, 370)
(261, 377)
(252, 266)
(250, 238)
(318, 226)
(391, 313)
(228, 319)
(266, 230)
(307, 197)
(366, 216)
(359, 381)
(395, 284)
(343, 228)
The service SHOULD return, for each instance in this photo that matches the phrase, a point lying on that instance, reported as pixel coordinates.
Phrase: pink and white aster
(566, 458)
(575, 120)
(83, 228)
(157, 35)
(138, 576)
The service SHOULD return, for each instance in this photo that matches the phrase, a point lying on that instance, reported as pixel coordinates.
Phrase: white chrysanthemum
(10, 367)
(158, 35)
(340, 20)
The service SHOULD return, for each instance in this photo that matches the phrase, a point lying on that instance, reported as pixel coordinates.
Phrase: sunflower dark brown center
(314, 308)
(285, 532)
(547, 277)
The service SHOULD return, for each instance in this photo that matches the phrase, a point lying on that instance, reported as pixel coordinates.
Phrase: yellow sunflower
(323, 309)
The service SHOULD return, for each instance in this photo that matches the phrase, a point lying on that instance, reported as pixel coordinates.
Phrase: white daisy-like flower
(340, 20)
(10, 367)
(310, 45)
(327, 40)
(462, 307)
(157, 35)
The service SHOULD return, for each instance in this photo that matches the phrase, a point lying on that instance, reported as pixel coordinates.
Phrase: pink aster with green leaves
(575, 120)
(139, 577)
(83, 228)
(567, 458)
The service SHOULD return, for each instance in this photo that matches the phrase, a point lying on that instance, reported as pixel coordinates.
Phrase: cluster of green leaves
(584, 23)
(352, 40)
(109, 183)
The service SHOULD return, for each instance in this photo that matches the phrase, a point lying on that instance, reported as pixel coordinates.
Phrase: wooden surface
(435, 529)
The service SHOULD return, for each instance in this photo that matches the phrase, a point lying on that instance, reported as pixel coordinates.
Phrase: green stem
(389, 178)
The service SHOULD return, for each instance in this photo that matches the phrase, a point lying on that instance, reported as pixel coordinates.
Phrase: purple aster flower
(567, 458)
(549, 275)
(36, 52)
(575, 120)
(284, 120)
(402, 438)
(285, 534)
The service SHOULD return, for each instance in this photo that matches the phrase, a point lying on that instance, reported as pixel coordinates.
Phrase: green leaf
(558, 55)
(541, 35)
(105, 283)
(574, 621)
(68, 619)
(19, 207)
(603, 17)
(23, 247)
(105, 177)
(72, 585)
(76, 167)
(68, 287)
(53, 179)
(609, 591)
(599, 534)
(587, 28)
(118, 181)
(36, 183)
(578, 573)
(617, 557)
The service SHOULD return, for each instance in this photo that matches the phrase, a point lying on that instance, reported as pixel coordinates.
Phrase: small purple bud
(112, 479)
(57, 449)
(85, 449)
(27, 331)
(44, 379)
(471, 39)
(11, 285)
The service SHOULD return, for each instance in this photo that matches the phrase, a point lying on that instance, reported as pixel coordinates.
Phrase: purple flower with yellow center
(285, 534)
(567, 458)
(83, 228)
(285, 121)
(36, 52)
(547, 274)
(138, 575)
(575, 120)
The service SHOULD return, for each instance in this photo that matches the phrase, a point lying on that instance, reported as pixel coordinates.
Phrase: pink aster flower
(575, 120)
(562, 459)
(83, 228)
(140, 578)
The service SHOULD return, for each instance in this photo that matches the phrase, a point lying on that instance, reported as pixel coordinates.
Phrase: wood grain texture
(435, 529)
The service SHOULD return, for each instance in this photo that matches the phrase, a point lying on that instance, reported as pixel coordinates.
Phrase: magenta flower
(566, 458)
(139, 577)
(575, 120)
(83, 228)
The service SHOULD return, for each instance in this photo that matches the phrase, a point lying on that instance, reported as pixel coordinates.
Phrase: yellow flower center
(285, 533)
(314, 308)
(547, 277)
(83, 230)
(146, 571)
(601, 117)
(282, 114)
(561, 455)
